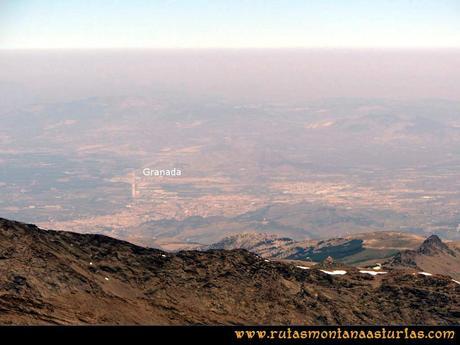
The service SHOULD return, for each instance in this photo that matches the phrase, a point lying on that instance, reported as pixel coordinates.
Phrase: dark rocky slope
(51, 277)
(433, 256)
(272, 246)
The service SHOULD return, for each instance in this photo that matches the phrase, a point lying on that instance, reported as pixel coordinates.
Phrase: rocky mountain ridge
(55, 277)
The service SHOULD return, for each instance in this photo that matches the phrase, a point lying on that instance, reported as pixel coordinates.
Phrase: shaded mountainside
(361, 249)
(433, 256)
(272, 246)
(53, 277)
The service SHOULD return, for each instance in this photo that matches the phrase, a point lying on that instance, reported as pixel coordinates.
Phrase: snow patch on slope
(373, 273)
(336, 272)
(425, 274)
(303, 267)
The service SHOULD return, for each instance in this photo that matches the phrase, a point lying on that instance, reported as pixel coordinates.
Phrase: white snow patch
(372, 273)
(425, 273)
(106, 278)
(91, 264)
(162, 255)
(267, 260)
(336, 272)
(303, 267)
(456, 281)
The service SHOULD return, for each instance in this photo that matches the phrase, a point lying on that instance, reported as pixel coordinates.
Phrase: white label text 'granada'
(161, 172)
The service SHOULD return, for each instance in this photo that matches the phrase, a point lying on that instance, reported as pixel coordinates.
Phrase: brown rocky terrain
(54, 277)
(358, 249)
(272, 246)
(433, 256)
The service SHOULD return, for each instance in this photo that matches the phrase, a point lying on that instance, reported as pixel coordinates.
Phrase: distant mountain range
(298, 221)
(56, 277)
(271, 246)
(393, 249)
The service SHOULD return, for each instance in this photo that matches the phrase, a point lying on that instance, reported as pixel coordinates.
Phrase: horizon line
(225, 48)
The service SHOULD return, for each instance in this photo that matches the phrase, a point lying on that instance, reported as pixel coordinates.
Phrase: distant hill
(285, 248)
(298, 221)
(356, 249)
(55, 277)
(433, 256)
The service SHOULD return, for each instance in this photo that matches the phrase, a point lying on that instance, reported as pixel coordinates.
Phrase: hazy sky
(237, 75)
(228, 24)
